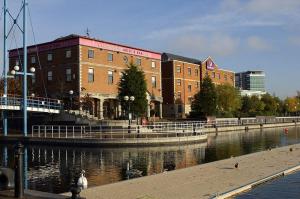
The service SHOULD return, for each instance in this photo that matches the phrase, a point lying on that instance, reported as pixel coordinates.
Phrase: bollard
(19, 178)
(129, 130)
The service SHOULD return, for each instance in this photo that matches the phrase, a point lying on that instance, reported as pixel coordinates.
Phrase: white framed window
(189, 71)
(190, 88)
(196, 72)
(68, 53)
(153, 64)
(110, 76)
(68, 74)
(179, 95)
(90, 53)
(17, 62)
(91, 75)
(33, 61)
(110, 57)
(178, 82)
(178, 69)
(197, 84)
(49, 57)
(50, 76)
(138, 61)
(153, 81)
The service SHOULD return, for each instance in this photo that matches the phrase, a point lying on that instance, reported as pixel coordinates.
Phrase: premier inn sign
(210, 65)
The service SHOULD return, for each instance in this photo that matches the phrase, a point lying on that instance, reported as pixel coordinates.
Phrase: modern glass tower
(250, 80)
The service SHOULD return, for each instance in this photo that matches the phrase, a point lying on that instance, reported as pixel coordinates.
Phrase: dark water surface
(52, 169)
(285, 187)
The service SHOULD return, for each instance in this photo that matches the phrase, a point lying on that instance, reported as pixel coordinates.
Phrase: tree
(228, 100)
(271, 104)
(205, 101)
(252, 106)
(133, 83)
(291, 104)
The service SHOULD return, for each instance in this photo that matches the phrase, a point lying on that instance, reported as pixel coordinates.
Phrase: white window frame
(50, 75)
(68, 53)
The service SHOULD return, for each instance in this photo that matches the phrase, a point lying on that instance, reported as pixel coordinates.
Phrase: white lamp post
(129, 100)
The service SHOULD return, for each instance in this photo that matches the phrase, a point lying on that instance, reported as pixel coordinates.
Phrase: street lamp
(14, 72)
(129, 100)
(71, 92)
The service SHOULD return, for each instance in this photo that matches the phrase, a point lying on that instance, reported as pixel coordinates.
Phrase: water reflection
(52, 169)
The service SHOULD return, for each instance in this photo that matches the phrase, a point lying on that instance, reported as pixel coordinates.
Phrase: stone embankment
(203, 181)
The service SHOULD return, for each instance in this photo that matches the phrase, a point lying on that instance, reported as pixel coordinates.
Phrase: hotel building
(90, 66)
(181, 80)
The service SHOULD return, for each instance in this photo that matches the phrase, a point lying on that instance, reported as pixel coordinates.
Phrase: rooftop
(170, 57)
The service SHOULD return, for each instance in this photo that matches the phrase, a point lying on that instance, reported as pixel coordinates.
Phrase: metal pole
(5, 69)
(24, 69)
(19, 178)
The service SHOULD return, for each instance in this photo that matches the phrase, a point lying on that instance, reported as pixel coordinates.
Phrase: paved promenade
(202, 181)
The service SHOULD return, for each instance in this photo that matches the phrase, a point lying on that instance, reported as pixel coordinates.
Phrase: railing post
(52, 131)
(73, 132)
(66, 131)
(45, 129)
(32, 129)
(39, 131)
(59, 131)
(80, 131)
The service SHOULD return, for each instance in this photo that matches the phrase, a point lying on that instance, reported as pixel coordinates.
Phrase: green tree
(270, 103)
(291, 104)
(205, 101)
(133, 83)
(228, 100)
(251, 106)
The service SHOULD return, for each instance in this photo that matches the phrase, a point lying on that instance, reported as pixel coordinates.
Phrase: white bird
(133, 173)
(82, 181)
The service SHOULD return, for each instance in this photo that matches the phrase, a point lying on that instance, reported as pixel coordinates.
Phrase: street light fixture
(24, 73)
(71, 92)
(129, 100)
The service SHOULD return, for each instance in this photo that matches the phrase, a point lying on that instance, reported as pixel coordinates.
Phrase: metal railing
(32, 102)
(102, 132)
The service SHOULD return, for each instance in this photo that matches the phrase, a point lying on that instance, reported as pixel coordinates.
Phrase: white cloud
(215, 45)
(294, 40)
(258, 43)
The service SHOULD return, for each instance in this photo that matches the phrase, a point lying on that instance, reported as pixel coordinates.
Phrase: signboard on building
(210, 65)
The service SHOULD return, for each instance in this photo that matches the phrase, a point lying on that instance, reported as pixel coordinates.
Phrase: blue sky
(239, 34)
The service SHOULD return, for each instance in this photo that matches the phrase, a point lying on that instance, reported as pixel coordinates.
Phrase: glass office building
(250, 80)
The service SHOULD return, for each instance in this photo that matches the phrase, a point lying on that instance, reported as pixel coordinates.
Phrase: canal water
(283, 187)
(53, 169)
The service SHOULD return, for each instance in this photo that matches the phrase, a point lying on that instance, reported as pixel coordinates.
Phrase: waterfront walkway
(202, 181)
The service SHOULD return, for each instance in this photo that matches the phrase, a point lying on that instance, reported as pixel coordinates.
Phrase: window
(219, 76)
(90, 53)
(153, 80)
(231, 77)
(225, 77)
(189, 71)
(178, 82)
(196, 72)
(50, 76)
(153, 64)
(110, 57)
(190, 99)
(68, 53)
(213, 74)
(33, 61)
(179, 95)
(197, 84)
(17, 62)
(49, 57)
(206, 74)
(179, 108)
(68, 74)
(110, 77)
(91, 75)
(178, 69)
(33, 79)
(190, 88)
(138, 61)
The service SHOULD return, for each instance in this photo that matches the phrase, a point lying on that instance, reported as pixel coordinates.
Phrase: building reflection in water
(53, 169)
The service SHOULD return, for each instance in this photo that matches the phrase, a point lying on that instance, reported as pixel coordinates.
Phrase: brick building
(90, 66)
(181, 80)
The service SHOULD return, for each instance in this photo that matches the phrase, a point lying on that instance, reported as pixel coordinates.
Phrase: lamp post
(15, 71)
(129, 100)
(71, 92)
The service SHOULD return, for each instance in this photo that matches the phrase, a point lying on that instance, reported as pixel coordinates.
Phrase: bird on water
(82, 181)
